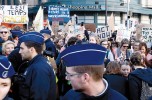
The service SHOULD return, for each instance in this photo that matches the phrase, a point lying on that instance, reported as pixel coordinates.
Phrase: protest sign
(15, 14)
(58, 13)
(147, 34)
(103, 32)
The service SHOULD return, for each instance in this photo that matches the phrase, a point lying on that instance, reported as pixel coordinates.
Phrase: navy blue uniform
(109, 94)
(39, 81)
(50, 46)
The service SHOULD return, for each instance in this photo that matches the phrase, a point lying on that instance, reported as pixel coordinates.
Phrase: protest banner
(103, 32)
(58, 13)
(15, 14)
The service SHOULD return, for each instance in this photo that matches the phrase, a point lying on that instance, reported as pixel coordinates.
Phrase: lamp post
(128, 17)
(105, 12)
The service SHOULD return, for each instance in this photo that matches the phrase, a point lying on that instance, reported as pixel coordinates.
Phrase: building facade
(94, 11)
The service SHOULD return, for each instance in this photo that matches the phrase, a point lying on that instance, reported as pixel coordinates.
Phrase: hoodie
(144, 74)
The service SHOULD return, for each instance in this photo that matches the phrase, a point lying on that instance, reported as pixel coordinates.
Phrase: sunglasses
(3, 32)
(125, 46)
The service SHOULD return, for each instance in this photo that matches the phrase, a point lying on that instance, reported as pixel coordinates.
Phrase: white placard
(16, 14)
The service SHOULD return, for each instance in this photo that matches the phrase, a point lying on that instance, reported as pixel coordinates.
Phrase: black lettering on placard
(150, 38)
(17, 10)
(100, 36)
(145, 37)
(98, 30)
(1, 7)
(103, 35)
(108, 34)
(107, 27)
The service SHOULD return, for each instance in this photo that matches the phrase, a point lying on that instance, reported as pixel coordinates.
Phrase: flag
(38, 22)
(49, 27)
(111, 23)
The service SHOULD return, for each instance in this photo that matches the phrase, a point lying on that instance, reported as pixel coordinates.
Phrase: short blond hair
(4, 45)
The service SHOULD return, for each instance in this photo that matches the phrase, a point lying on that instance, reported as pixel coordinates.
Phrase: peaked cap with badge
(84, 54)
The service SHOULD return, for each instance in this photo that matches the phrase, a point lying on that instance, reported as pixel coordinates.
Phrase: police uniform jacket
(108, 94)
(39, 81)
(50, 46)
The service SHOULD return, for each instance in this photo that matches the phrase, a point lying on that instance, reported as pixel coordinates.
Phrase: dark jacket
(50, 46)
(135, 82)
(8, 98)
(109, 94)
(118, 83)
(39, 81)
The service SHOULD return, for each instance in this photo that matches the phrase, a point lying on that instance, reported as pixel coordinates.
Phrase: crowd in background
(123, 61)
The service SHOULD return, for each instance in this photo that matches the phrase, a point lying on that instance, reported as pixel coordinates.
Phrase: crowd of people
(41, 66)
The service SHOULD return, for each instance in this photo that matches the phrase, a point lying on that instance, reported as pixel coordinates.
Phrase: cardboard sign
(103, 32)
(90, 27)
(16, 14)
(147, 34)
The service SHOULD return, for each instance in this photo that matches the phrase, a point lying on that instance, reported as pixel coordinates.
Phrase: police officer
(48, 43)
(38, 81)
(85, 72)
(6, 73)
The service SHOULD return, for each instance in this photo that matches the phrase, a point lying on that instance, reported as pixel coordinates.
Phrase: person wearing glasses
(122, 52)
(4, 36)
(84, 70)
(140, 81)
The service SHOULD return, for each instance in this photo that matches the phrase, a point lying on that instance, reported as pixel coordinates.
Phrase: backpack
(146, 91)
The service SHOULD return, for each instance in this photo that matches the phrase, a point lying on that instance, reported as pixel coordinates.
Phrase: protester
(4, 36)
(94, 39)
(113, 76)
(6, 73)
(109, 55)
(125, 68)
(38, 81)
(144, 50)
(140, 81)
(136, 46)
(123, 52)
(136, 61)
(84, 70)
(7, 47)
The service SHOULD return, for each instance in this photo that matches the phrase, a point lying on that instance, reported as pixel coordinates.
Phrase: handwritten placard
(16, 14)
(103, 32)
(147, 34)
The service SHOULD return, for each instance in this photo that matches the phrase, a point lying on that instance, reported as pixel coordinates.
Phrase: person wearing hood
(138, 77)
